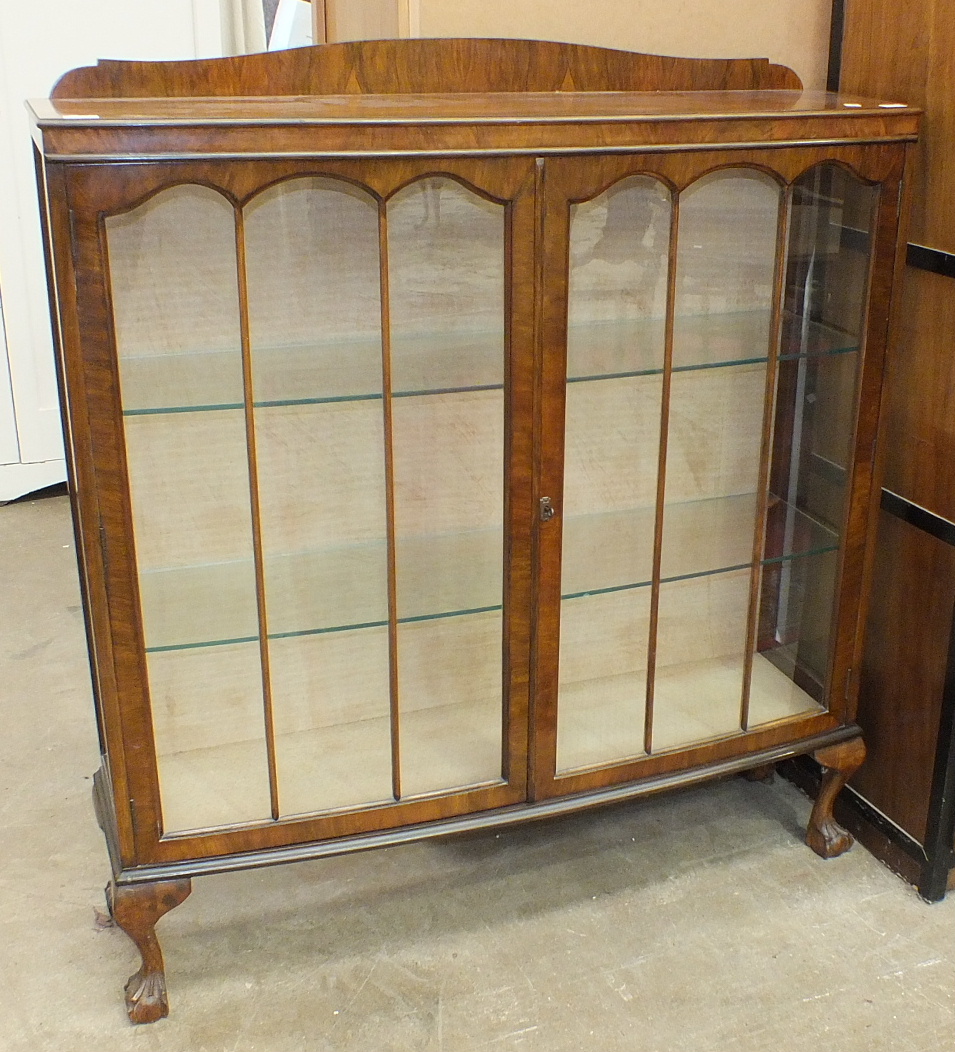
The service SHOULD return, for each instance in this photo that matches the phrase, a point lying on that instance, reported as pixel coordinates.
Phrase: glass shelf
(634, 346)
(802, 338)
(606, 350)
(341, 369)
(453, 575)
(331, 370)
(319, 591)
(613, 551)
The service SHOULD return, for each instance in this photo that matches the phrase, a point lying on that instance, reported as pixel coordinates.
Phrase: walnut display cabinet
(461, 433)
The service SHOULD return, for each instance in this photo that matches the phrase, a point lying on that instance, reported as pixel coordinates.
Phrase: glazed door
(322, 382)
(701, 376)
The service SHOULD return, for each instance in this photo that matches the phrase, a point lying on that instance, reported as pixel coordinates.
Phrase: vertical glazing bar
(389, 500)
(661, 471)
(507, 631)
(765, 462)
(257, 556)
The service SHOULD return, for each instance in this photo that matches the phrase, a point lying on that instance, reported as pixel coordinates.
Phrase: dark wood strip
(388, 425)
(766, 456)
(836, 35)
(549, 335)
(921, 518)
(522, 249)
(661, 472)
(932, 259)
(940, 831)
(257, 552)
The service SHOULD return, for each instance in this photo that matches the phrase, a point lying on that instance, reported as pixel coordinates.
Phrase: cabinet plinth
(459, 454)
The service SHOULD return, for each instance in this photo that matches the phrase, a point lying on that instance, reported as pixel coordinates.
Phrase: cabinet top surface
(456, 97)
(476, 107)
(457, 124)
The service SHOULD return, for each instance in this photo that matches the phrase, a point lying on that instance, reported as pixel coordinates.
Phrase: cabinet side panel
(903, 673)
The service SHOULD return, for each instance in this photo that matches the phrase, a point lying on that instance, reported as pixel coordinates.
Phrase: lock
(547, 509)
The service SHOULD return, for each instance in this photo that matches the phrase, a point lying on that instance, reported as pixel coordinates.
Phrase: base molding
(505, 816)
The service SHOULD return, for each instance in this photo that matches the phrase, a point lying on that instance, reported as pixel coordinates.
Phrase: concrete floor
(697, 921)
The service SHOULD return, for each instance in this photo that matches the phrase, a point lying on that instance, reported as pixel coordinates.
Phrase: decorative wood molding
(425, 66)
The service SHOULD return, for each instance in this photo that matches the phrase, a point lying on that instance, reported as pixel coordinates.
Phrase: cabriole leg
(136, 908)
(839, 762)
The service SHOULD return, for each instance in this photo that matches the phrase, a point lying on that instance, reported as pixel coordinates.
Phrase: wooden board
(908, 51)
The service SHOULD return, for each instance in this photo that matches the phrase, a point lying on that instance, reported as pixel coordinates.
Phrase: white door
(39, 41)
(338, 20)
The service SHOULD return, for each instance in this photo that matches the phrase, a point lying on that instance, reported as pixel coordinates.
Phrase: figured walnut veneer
(522, 131)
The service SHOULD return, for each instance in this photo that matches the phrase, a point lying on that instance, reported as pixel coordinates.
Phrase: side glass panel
(174, 290)
(619, 245)
(446, 267)
(313, 279)
(831, 217)
(726, 252)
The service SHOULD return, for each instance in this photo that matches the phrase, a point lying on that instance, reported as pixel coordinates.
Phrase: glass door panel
(709, 415)
(700, 657)
(210, 735)
(313, 392)
(176, 316)
(446, 280)
(831, 216)
(619, 246)
(314, 297)
(314, 293)
(726, 253)
(332, 717)
(175, 302)
(723, 308)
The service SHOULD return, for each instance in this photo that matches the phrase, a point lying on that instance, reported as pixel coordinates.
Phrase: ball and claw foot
(839, 762)
(829, 839)
(146, 999)
(136, 908)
